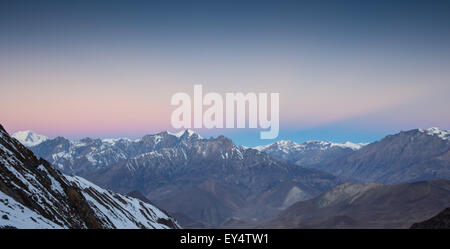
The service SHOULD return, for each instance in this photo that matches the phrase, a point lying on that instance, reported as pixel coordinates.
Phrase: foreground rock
(440, 221)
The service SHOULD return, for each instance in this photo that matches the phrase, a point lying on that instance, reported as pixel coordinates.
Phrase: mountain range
(214, 183)
(203, 180)
(308, 153)
(408, 156)
(33, 194)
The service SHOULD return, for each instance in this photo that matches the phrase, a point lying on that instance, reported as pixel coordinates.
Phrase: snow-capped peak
(181, 133)
(281, 144)
(435, 131)
(261, 147)
(113, 141)
(29, 138)
(350, 145)
(347, 144)
(287, 145)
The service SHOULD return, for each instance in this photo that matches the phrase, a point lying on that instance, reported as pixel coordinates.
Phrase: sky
(345, 70)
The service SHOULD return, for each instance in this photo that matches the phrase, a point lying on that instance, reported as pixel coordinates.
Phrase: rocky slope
(367, 206)
(35, 195)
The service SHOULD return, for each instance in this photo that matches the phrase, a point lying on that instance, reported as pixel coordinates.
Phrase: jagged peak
(187, 132)
(29, 138)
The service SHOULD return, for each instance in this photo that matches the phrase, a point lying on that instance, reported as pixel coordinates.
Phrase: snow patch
(14, 214)
(435, 131)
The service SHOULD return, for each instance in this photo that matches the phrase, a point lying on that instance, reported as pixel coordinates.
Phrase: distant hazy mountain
(198, 180)
(308, 153)
(367, 206)
(35, 195)
(440, 221)
(29, 138)
(408, 156)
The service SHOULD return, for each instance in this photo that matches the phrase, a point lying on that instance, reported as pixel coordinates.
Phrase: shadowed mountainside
(440, 221)
(366, 206)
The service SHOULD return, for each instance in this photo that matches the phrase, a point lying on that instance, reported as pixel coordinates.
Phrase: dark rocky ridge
(440, 221)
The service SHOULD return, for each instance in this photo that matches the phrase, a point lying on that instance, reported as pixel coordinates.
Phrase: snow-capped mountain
(435, 131)
(181, 133)
(414, 155)
(290, 146)
(75, 157)
(206, 182)
(86, 154)
(310, 152)
(29, 138)
(33, 194)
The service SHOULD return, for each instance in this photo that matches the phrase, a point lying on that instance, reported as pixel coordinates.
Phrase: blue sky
(345, 70)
